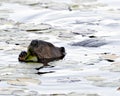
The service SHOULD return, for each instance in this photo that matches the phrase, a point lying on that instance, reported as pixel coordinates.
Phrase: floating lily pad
(24, 93)
(29, 80)
(90, 43)
(68, 80)
(107, 84)
(82, 94)
(35, 27)
(7, 91)
(111, 68)
(33, 4)
(16, 83)
(58, 95)
(23, 81)
(106, 68)
(7, 71)
(25, 65)
(114, 67)
(56, 6)
(95, 78)
(18, 92)
(75, 6)
(83, 32)
(27, 71)
(66, 36)
(116, 64)
(4, 21)
(109, 56)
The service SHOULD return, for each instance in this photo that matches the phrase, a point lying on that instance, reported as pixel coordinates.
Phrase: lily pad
(18, 92)
(7, 91)
(29, 80)
(109, 56)
(35, 27)
(107, 84)
(82, 94)
(23, 81)
(114, 67)
(56, 6)
(95, 78)
(90, 43)
(4, 71)
(16, 83)
(66, 36)
(26, 71)
(68, 80)
(24, 93)
(58, 95)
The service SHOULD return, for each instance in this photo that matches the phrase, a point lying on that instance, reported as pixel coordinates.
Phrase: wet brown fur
(45, 51)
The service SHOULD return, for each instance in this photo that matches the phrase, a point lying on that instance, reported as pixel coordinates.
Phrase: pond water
(88, 29)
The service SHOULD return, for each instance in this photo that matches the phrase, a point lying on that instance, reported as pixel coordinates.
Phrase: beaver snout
(22, 56)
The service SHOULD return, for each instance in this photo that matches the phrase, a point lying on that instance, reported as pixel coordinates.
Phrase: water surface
(85, 70)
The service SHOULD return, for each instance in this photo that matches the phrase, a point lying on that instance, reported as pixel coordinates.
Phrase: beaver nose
(62, 49)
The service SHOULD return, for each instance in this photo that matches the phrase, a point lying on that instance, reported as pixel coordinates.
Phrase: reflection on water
(86, 70)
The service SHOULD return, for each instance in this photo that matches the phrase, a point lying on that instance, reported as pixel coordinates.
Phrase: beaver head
(22, 56)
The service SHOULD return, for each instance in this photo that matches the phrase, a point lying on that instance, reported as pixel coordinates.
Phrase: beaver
(43, 52)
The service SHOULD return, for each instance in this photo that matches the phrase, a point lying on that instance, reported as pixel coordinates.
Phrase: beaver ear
(34, 43)
(62, 49)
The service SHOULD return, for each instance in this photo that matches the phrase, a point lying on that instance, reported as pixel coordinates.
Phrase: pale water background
(85, 71)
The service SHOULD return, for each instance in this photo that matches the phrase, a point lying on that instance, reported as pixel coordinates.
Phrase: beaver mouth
(62, 49)
(21, 58)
